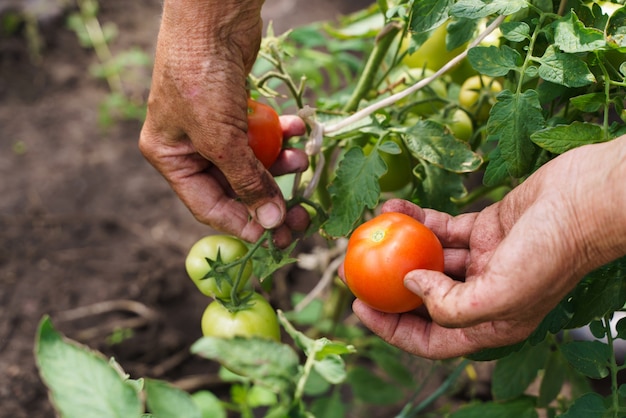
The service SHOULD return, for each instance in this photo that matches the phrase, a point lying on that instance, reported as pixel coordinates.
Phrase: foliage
(562, 72)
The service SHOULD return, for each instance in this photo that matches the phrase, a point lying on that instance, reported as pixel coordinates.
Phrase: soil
(85, 221)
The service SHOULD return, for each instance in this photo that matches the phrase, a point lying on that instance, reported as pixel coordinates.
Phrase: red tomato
(265, 135)
(381, 252)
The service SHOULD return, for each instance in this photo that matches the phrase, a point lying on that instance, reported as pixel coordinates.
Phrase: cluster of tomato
(218, 265)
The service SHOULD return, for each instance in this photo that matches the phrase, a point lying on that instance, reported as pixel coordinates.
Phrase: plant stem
(234, 293)
(372, 66)
(613, 367)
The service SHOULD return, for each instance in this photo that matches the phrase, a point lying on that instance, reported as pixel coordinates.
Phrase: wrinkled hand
(195, 129)
(507, 266)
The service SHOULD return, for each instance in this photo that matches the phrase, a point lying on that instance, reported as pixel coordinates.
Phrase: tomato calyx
(243, 302)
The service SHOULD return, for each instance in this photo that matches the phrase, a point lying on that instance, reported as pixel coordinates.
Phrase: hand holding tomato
(507, 266)
(195, 133)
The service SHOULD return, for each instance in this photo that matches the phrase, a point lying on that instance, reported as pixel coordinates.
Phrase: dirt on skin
(85, 221)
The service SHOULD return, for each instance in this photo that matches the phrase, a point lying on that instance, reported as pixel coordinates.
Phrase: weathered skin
(515, 260)
(195, 129)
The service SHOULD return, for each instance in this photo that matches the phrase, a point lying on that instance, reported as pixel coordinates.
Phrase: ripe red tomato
(381, 252)
(259, 320)
(265, 135)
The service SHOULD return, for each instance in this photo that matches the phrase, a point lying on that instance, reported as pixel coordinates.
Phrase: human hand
(507, 266)
(195, 128)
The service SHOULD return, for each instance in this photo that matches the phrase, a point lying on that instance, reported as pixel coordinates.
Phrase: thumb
(450, 303)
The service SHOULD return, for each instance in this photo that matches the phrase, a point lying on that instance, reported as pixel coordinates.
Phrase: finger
(414, 334)
(419, 336)
(452, 231)
(292, 125)
(290, 160)
(451, 303)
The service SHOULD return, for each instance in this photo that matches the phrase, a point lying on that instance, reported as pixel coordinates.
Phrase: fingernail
(269, 215)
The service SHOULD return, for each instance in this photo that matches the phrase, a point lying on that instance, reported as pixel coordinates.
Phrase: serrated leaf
(565, 69)
(562, 138)
(515, 31)
(439, 188)
(494, 61)
(460, 32)
(513, 118)
(590, 405)
(616, 28)
(476, 9)
(428, 14)
(354, 188)
(571, 35)
(82, 383)
(428, 140)
(264, 264)
(556, 320)
(497, 170)
(591, 358)
(519, 408)
(515, 372)
(166, 401)
(265, 362)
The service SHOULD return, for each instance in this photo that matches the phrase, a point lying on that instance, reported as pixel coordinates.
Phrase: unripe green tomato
(432, 54)
(259, 320)
(477, 95)
(461, 125)
(230, 249)
(399, 167)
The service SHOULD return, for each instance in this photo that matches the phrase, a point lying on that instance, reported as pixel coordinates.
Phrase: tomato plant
(381, 252)
(265, 135)
(206, 259)
(460, 125)
(398, 164)
(477, 95)
(256, 319)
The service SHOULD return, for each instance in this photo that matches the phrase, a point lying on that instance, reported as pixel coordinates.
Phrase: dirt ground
(84, 220)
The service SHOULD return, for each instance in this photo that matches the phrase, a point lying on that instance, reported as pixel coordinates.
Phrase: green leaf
(428, 14)
(332, 368)
(620, 327)
(166, 401)
(429, 141)
(354, 188)
(514, 373)
(571, 35)
(438, 188)
(562, 138)
(497, 170)
(496, 353)
(393, 362)
(476, 9)
(590, 102)
(515, 31)
(494, 61)
(370, 388)
(566, 69)
(556, 320)
(601, 292)
(329, 407)
(591, 358)
(265, 362)
(82, 383)
(553, 379)
(590, 405)
(513, 118)
(266, 262)
(616, 28)
(315, 384)
(519, 408)
(210, 406)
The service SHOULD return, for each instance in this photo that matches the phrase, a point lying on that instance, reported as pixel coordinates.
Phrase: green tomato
(230, 249)
(399, 167)
(460, 125)
(258, 320)
(477, 95)
(432, 54)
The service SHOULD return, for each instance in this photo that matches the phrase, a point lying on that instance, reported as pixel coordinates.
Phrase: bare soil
(85, 222)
